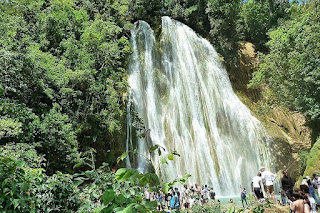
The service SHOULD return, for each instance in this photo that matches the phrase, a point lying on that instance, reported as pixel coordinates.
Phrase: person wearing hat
(268, 179)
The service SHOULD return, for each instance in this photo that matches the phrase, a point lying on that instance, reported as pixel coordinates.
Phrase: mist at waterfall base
(182, 92)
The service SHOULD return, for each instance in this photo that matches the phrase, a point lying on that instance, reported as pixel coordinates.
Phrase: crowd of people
(174, 199)
(304, 200)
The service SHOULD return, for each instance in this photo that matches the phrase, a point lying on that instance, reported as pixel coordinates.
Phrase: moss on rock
(313, 160)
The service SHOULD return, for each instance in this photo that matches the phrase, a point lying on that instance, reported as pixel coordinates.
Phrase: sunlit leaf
(163, 160)
(123, 156)
(170, 156)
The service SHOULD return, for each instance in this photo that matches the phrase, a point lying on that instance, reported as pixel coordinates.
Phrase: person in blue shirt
(312, 192)
(159, 198)
(175, 204)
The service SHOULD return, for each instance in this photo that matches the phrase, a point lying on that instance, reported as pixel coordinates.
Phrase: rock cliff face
(287, 128)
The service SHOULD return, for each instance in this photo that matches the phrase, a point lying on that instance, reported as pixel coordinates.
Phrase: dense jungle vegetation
(63, 89)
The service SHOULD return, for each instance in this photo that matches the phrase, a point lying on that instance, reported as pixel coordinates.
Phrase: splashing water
(182, 92)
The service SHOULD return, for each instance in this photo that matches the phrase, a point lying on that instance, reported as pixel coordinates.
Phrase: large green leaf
(129, 209)
(121, 171)
(112, 208)
(151, 204)
(129, 173)
(108, 196)
(139, 207)
(184, 178)
(123, 156)
(149, 179)
(163, 161)
(120, 199)
(165, 188)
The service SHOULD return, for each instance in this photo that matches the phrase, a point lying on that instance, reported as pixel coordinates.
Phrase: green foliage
(24, 152)
(210, 208)
(258, 17)
(291, 68)
(9, 128)
(16, 122)
(72, 53)
(223, 16)
(16, 185)
(312, 160)
(189, 12)
(303, 158)
(27, 188)
(55, 135)
(63, 85)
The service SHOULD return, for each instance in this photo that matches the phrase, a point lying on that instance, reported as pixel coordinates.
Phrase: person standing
(178, 195)
(168, 199)
(197, 189)
(286, 186)
(268, 179)
(158, 196)
(312, 191)
(205, 194)
(243, 196)
(186, 197)
(192, 196)
(212, 194)
(283, 197)
(147, 194)
(256, 184)
(174, 200)
(316, 183)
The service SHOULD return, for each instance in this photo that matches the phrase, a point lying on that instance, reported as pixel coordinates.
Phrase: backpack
(243, 195)
(212, 194)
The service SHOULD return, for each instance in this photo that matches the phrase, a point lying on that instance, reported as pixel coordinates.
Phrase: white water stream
(181, 90)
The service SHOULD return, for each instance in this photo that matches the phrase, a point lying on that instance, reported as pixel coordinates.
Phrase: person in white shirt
(147, 194)
(316, 183)
(268, 179)
(256, 184)
(205, 194)
(186, 196)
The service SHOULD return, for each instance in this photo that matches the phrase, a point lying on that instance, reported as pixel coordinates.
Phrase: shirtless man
(299, 205)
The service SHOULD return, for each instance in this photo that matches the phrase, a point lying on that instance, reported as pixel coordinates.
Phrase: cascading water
(182, 92)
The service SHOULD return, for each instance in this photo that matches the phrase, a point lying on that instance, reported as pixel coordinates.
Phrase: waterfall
(182, 92)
